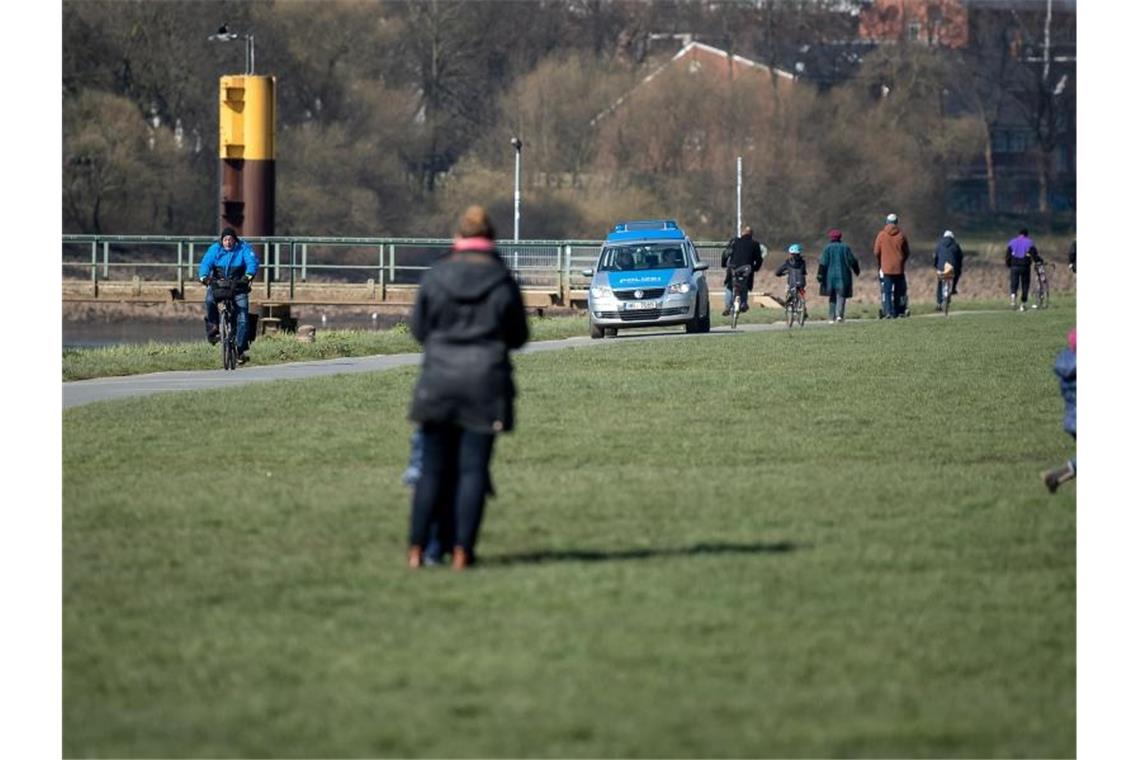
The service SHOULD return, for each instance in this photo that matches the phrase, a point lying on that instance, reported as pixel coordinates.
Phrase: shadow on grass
(597, 555)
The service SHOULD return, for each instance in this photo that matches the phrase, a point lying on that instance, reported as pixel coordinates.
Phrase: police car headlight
(679, 287)
(601, 291)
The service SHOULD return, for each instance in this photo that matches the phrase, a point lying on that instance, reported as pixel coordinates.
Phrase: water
(96, 334)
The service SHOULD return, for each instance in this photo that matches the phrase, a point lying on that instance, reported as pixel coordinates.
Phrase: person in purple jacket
(1020, 254)
(1066, 370)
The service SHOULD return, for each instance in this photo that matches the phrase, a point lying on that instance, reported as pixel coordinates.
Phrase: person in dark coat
(1020, 253)
(947, 252)
(740, 251)
(837, 267)
(468, 315)
(1073, 257)
(1066, 370)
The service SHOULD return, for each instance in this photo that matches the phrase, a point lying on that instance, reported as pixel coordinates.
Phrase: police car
(647, 275)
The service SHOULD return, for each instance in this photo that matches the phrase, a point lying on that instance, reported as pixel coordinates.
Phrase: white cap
(948, 234)
(892, 218)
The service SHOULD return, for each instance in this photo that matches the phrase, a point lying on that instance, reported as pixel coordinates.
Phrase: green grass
(135, 359)
(809, 543)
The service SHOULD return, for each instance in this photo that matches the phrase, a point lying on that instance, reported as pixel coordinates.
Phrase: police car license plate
(639, 305)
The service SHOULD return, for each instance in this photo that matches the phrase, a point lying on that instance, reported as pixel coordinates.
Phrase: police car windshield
(622, 258)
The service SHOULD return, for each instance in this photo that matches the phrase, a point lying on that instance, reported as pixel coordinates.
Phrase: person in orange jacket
(891, 251)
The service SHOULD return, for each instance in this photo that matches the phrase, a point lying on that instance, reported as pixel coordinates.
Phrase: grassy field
(827, 542)
(135, 359)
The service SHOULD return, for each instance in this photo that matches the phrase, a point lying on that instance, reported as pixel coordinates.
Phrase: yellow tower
(247, 110)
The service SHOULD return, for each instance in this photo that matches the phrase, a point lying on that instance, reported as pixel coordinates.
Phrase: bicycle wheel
(946, 290)
(225, 341)
(801, 310)
(790, 310)
(735, 311)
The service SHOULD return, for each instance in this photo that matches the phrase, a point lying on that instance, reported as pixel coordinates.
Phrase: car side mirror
(700, 266)
(587, 272)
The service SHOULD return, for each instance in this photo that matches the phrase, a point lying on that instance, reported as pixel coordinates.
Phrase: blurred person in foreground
(468, 315)
(891, 251)
(837, 268)
(1066, 370)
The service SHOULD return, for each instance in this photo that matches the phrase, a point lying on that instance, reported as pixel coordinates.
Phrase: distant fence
(353, 270)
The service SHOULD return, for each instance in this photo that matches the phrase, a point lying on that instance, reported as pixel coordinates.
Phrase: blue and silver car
(647, 275)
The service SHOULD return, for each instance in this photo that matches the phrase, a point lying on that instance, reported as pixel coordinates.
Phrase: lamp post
(225, 35)
(517, 143)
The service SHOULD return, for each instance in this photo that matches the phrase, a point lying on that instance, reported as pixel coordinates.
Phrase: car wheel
(611, 332)
(705, 322)
(694, 324)
(595, 331)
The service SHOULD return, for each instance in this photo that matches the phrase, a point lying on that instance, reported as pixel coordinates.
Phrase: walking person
(837, 268)
(1020, 254)
(891, 252)
(947, 252)
(468, 315)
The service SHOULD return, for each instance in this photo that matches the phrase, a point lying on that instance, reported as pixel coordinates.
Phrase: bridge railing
(286, 262)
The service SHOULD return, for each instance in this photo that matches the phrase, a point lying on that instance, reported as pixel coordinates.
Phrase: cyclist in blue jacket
(233, 259)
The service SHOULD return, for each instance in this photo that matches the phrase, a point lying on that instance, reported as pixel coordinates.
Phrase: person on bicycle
(837, 268)
(796, 270)
(947, 252)
(740, 251)
(232, 259)
(1020, 253)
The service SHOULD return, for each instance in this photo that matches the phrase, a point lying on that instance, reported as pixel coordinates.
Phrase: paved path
(80, 392)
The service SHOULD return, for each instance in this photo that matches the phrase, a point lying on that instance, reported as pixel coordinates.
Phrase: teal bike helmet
(794, 248)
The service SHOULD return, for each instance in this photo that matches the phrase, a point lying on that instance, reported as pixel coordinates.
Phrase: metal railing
(286, 262)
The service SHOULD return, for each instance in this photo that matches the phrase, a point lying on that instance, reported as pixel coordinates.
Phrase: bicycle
(739, 291)
(946, 283)
(1041, 268)
(795, 306)
(224, 291)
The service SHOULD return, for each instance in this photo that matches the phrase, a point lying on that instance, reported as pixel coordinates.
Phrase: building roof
(697, 52)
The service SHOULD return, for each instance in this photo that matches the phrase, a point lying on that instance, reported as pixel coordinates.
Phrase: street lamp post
(517, 143)
(225, 35)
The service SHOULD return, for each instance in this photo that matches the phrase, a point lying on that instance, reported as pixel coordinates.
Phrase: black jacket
(468, 316)
(740, 251)
(796, 269)
(948, 250)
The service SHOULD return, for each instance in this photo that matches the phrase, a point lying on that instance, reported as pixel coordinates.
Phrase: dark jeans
(894, 291)
(212, 318)
(836, 305)
(454, 483)
(1019, 276)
